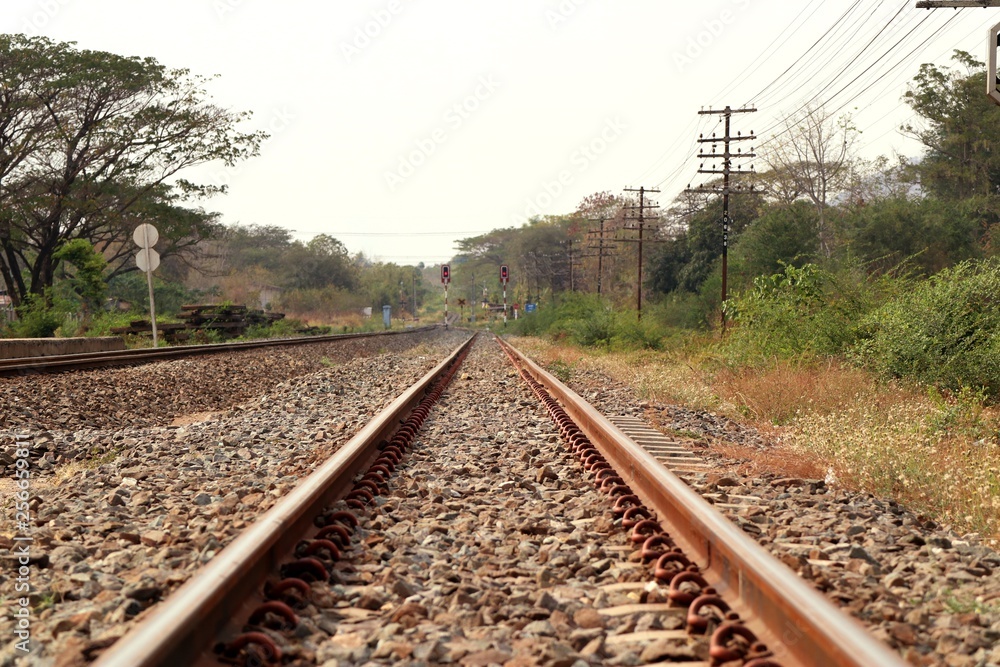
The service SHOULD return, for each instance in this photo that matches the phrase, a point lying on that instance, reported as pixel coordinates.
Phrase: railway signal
(504, 277)
(445, 279)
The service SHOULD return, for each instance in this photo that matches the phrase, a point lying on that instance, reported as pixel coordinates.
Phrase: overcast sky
(398, 126)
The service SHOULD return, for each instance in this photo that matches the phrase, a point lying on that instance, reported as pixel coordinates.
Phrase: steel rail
(64, 362)
(181, 629)
(797, 623)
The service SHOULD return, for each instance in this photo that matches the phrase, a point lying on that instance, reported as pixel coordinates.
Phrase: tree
(321, 262)
(687, 261)
(89, 141)
(930, 233)
(386, 283)
(960, 129)
(88, 280)
(782, 235)
(812, 156)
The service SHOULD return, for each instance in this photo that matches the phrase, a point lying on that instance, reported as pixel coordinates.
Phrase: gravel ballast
(122, 516)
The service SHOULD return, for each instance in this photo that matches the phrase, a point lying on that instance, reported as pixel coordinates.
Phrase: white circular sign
(145, 236)
(147, 259)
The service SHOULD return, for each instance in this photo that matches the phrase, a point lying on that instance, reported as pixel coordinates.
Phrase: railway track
(66, 362)
(443, 559)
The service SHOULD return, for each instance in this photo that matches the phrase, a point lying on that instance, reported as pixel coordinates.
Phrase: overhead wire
(887, 32)
(865, 69)
(812, 99)
(832, 30)
(829, 30)
(747, 72)
(917, 48)
(809, 112)
(807, 69)
(801, 58)
(895, 126)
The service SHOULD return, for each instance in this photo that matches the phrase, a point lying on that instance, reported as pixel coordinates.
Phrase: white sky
(478, 109)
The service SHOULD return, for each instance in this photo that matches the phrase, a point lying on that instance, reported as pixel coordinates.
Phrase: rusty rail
(799, 626)
(181, 630)
(65, 362)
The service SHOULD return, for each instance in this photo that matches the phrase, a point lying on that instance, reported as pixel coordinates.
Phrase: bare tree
(813, 157)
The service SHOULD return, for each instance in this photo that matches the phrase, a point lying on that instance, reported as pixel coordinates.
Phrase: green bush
(680, 310)
(36, 319)
(588, 321)
(102, 324)
(596, 329)
(807, 311)
(945, 331)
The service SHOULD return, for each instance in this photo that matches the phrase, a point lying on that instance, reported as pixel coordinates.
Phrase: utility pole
(642, 209)
(727, 169)
(572, 273)
(600, 254)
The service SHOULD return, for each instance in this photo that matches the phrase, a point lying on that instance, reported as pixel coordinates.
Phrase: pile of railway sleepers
(229, 321)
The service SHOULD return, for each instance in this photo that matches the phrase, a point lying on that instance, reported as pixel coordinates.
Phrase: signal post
(445, 279)
(504, 275)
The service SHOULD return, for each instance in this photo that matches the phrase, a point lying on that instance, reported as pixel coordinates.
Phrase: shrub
(802, 312)
(588, 321)
(36, 319)
(945, 331)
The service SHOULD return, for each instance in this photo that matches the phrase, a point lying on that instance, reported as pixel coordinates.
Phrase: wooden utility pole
(572, 282)
(641, 219)
(727, 163)
(600, 254)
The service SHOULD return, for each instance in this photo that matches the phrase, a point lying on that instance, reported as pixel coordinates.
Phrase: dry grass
(780, 460)
(935, 454)
(778, 394)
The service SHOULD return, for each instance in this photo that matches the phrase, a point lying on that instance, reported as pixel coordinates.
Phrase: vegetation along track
(477, 538)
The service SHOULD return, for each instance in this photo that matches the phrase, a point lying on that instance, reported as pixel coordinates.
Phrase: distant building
(268, 294)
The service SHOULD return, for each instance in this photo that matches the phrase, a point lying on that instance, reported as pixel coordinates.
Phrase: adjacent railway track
(67, 362)
(236, 608)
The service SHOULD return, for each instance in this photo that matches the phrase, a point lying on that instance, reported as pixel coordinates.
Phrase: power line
(801, 58)
(812, 99)
(809, 113)
(806, 72)
(747, 72)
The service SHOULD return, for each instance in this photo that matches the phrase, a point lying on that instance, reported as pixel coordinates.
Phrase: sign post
(445, 279)
(504, 276)
(147, 259)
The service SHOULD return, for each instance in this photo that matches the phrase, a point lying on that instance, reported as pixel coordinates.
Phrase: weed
(562, 370)
(966, 605)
